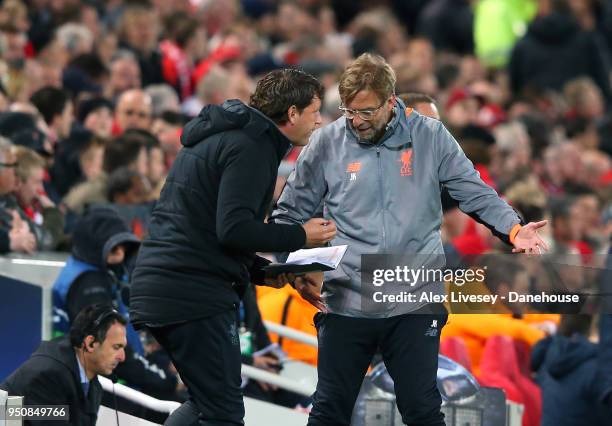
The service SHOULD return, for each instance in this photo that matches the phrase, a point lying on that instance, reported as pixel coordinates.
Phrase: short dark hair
(180, 27)
(91, 65)
(122, 151)
(120, 181)
(412, 99)
(279, 90)
(149, 140)
(50, 101)
(560, 207)
(94, 320)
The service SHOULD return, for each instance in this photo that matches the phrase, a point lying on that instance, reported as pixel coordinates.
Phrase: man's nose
(357, 121)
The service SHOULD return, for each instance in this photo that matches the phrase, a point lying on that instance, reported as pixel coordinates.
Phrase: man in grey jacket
(377, 172)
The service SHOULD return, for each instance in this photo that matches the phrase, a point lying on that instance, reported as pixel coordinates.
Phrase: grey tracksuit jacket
(385, 199)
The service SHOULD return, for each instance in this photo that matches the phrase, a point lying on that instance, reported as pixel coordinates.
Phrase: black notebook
(309, 260)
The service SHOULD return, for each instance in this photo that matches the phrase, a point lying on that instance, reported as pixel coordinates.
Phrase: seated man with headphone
(64, 371)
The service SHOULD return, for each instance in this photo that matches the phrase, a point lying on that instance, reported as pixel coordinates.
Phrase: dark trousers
(409, 347)
(206, 354)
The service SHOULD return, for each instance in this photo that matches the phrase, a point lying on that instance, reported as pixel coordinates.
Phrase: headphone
(96, 325)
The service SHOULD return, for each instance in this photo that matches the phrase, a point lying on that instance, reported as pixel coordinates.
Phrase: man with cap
(96, 115)
(21, 129)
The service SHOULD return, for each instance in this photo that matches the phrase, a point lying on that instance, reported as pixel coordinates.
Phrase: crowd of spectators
(94, 94)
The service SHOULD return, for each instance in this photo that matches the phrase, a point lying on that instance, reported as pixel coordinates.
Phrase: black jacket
(554, 51)
(51, 377)
(567, 374)
(209, 220)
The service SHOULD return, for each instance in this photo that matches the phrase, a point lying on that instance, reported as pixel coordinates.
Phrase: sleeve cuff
(515, 230)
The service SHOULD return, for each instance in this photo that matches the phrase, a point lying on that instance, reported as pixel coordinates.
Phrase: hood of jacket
(97, 233)
(233, 115)
(560, 355)
(555, 28)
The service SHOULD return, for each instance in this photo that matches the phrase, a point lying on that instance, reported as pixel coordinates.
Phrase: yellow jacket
(299, 315)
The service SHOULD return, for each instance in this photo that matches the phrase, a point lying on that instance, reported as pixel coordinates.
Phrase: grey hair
(71, 35)
(5, 146)
(163, 98)
(122, 54)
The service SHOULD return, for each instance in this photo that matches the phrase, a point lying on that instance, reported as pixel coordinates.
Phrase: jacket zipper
(382, 201)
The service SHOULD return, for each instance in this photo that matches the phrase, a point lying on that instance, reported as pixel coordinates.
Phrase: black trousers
(409, 345)
(206, 354)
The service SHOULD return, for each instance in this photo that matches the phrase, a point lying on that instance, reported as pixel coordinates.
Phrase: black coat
(51, 377)
(209, 220)
(571, 390)
(554, 51)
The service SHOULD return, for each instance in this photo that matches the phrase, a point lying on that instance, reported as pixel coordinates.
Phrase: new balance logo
(352, 169)
(432, 331)
(233, 335)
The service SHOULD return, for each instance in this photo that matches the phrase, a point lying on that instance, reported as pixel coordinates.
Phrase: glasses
(364, 114)
(9, 165)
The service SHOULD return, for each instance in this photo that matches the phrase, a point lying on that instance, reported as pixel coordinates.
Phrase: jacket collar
(282, 144)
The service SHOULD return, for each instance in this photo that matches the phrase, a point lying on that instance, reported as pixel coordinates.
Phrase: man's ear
(89, 343)
(292, 114)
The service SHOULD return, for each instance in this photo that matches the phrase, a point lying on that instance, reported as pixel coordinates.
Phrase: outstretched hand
(528, 240)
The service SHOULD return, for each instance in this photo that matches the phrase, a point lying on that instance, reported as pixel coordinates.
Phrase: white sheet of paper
(325, 255)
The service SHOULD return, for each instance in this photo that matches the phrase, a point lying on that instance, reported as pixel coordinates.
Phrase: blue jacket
(73, 269)
(94, 237)
(567, 374)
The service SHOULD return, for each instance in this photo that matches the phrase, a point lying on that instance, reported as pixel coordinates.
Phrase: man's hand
(528, 241)
(267, 362)
(278, 281)
(45, 201)
(21, 239)
(270, 364)
(319, 232)
(309, 287)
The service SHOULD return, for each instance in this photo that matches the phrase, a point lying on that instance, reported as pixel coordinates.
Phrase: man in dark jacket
(555, 50)
(605, 334)
(208, 224)
(64, 371)
(566, 367)
(206, 228)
